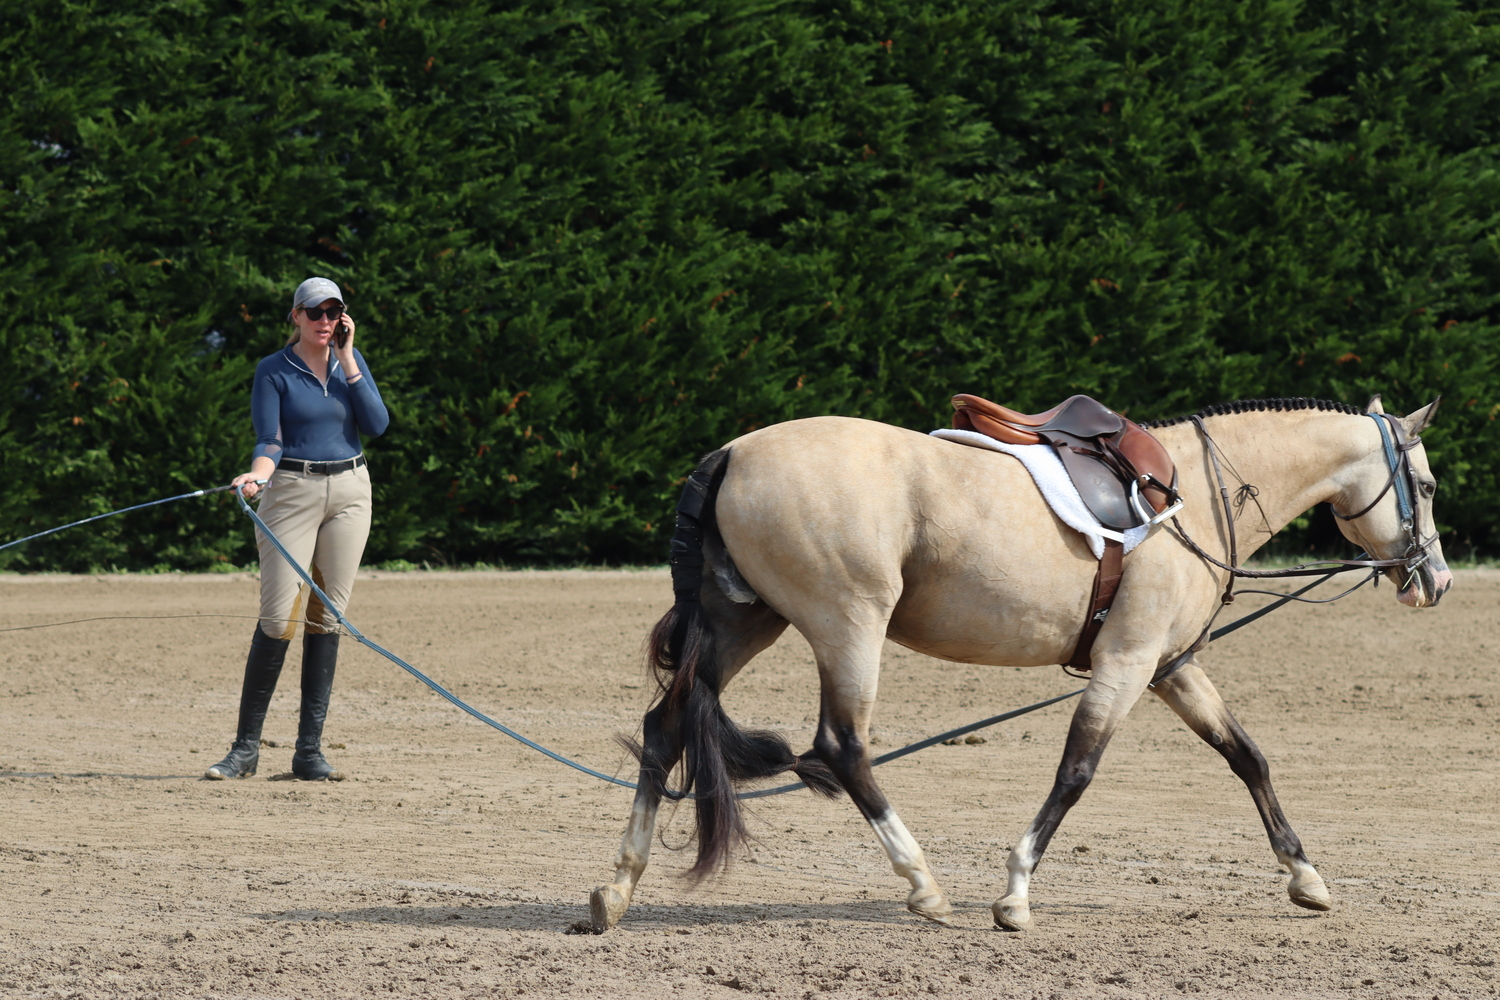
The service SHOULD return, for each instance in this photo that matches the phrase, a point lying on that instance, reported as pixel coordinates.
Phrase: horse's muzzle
(1426, 586)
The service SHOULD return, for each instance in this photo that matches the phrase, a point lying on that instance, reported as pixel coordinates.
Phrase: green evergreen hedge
(587, 243)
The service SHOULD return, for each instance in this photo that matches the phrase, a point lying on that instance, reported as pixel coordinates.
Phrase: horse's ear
(1417, 422)
(1375, 406)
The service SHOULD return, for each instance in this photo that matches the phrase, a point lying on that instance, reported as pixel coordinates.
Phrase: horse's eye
(1428, 489)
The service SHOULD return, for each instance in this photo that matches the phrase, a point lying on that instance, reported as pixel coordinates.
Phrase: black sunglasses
(315, 313)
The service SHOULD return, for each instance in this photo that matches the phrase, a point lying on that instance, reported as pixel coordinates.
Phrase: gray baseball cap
(311, 292)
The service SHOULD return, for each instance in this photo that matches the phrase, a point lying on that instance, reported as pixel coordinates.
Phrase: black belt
(320, 468)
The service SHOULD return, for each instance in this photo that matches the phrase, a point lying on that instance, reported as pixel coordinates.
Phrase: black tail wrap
(694, 510)
(695, 514)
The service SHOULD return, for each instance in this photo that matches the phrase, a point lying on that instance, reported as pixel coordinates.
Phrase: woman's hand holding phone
(343, 346)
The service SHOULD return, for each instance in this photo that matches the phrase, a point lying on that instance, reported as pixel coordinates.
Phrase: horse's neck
(1293, 460)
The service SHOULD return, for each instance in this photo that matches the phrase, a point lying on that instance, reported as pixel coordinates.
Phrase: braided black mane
(1254, 405)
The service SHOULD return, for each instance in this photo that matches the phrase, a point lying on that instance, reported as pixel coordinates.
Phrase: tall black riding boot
(262, 668)
(320, 653)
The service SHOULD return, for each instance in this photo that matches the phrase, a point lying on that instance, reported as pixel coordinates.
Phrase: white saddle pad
(1056, 486)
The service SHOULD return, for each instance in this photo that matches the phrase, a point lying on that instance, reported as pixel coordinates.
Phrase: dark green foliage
(587, 244)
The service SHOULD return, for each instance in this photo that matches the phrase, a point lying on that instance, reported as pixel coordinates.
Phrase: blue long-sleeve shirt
(297, 416)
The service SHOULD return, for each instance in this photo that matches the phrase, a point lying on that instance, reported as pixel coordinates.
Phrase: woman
(310, 402)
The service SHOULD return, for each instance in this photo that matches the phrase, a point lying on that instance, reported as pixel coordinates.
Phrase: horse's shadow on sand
(685, 918)
(571, 919)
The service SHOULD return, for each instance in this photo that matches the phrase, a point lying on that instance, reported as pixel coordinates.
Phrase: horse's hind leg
(740, 632)
(849, 684)
(1193, 696)
(608, 903)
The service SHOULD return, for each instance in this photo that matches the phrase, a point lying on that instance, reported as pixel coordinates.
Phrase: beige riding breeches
(323, 520)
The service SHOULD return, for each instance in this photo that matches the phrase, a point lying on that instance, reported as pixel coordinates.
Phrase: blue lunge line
(123, 510)
(557, 756)
(924, 744)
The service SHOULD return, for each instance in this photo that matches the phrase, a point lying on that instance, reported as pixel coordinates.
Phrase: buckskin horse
(853, 532)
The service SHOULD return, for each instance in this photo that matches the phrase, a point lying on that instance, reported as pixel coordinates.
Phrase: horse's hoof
(931, 904)
(606, 907)
(1012, 915)
(1309, 891)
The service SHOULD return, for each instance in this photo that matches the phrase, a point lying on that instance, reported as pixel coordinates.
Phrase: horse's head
(1386, 507)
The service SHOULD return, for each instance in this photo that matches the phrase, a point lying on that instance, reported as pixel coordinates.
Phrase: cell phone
(341, 335)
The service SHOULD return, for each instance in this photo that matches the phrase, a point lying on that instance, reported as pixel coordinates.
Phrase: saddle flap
(1097, 484)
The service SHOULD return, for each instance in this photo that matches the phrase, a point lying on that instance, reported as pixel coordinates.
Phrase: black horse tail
(687, 721)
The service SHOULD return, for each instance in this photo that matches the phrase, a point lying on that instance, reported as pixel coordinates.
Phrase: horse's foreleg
(1194, 698)
(1105, 703)
(660, 753)
(842, 742)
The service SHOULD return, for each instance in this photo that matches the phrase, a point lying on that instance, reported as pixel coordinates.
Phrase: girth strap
(1106, 583)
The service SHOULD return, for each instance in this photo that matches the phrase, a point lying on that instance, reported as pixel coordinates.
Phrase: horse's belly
(1028, 616)
(983, 626)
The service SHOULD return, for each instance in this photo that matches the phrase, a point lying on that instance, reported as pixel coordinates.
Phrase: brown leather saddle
(1123, 474)
(1117, 466)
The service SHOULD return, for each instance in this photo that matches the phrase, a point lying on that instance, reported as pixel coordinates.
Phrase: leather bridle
(1397, 459)
(1397, 448)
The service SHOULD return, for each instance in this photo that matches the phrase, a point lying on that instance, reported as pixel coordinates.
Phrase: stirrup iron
(1143, 510)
